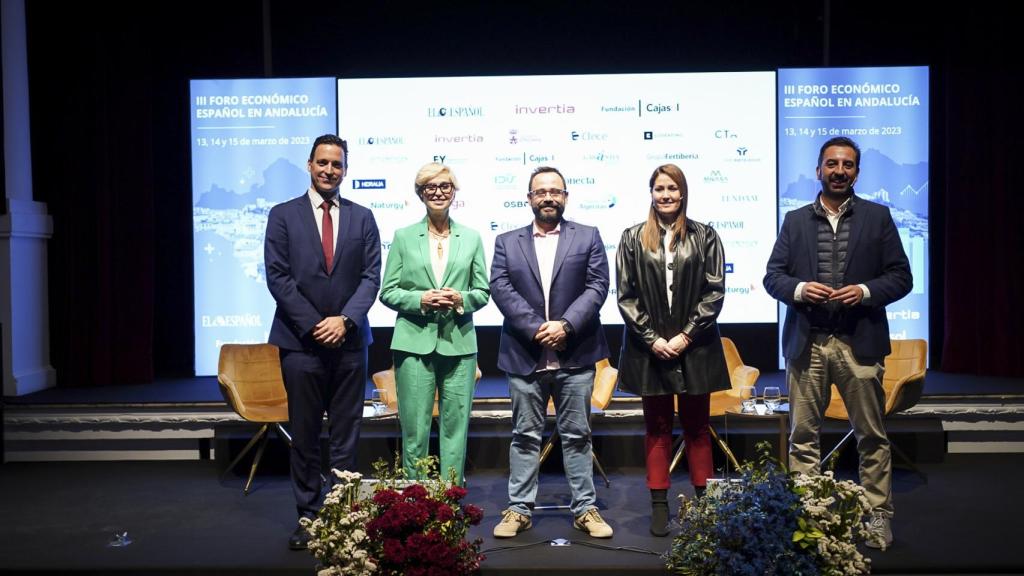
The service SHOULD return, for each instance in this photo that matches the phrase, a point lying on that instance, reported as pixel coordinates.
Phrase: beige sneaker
(592, 523)
(512, 523)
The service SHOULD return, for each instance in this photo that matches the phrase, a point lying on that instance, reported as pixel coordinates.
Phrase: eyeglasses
(552, 193)
(444, 187)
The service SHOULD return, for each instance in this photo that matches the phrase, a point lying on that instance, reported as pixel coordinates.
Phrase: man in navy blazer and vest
(836, 264)
(550, 279)
(322, 256)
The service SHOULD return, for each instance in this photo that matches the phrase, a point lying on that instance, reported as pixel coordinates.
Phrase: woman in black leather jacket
(671, 346)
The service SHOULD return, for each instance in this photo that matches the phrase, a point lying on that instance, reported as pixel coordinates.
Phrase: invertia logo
(458, 139)
(555, 109)
(456, 112)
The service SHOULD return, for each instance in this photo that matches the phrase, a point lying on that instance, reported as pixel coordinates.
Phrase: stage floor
(58, 518)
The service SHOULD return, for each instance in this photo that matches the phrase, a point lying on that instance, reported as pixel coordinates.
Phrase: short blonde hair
(430, 171)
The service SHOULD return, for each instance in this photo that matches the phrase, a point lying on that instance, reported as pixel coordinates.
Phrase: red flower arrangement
(418, 530)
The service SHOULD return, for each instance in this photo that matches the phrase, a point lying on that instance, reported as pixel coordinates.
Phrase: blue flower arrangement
(771, 522)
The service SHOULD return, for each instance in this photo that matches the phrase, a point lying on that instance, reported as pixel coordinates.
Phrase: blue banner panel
(885, 111)
(250, 143)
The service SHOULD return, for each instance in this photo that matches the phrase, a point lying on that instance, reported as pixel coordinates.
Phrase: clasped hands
(669, 349)
(818, 293)
(441, 300)
(551, 334)
(330, 332)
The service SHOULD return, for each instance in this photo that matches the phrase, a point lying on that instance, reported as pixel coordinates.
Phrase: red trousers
(693, 416)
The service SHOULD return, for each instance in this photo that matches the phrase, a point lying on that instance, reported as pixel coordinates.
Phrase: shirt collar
(316, 199)
(538, 233)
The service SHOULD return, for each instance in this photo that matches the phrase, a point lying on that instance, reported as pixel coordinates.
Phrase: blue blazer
(298, 279)
(874, 257)
(579, 286)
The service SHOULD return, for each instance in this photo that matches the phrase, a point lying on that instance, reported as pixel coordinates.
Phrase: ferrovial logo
(716, 177)
(456, 112)
(586, 136)
(544, 109)
(231, 321)
(375, 184)
(381, 140)
(458, 139)
(602, 204)
(725, 134)
(660, 107)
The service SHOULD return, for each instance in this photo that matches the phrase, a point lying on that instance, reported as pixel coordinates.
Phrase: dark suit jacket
(874, 257)
(298, 279)
(579, 286)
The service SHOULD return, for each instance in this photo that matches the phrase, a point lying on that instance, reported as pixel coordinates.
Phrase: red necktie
(327, 237)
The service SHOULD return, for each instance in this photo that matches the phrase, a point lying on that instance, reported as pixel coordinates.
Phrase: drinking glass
(772, 398)
(379, 400)
(747, 398)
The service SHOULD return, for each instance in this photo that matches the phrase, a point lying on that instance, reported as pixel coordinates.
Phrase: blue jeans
(571, 390)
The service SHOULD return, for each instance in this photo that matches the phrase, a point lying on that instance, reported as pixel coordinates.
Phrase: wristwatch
(349, 324)
(566, 327)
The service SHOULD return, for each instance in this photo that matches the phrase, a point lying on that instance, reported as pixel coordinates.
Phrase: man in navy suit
(322, 255)
(549, 279)
(836, 264)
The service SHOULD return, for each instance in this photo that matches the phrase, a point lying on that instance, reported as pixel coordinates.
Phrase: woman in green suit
(435, 279)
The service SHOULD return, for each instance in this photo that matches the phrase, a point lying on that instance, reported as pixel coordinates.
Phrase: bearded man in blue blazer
(549, 279)
(322, 255)
(836, 264)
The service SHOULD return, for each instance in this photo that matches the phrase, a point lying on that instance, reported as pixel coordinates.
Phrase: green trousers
(418, 378)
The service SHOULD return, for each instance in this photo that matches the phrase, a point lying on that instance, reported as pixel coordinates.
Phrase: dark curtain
(93, 166)
(984, 282)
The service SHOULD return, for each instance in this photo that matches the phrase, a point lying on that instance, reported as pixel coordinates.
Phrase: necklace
(440, 239)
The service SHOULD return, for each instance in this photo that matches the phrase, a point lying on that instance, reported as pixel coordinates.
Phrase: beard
(837, 194)
(548, 218)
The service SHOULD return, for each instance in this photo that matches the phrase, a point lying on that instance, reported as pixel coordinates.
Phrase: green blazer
(408, 275)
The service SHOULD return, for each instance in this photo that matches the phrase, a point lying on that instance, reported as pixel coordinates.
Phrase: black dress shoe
(299, 539)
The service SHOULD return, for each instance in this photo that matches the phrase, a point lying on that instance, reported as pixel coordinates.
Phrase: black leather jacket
(698, 293)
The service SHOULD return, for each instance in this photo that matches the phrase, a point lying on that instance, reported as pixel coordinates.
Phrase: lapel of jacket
(454, 246)
(424, 251)
(525, 238)
(811, 236)
(565, 238)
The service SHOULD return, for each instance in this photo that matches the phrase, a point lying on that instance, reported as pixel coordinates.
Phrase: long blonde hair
(650, 237)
